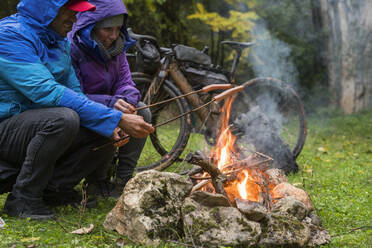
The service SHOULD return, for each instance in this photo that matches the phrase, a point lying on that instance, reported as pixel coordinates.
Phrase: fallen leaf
(2, 223)
(120, 242)
(84, 230)
(322, 149)
(32, 239)
(32, 246)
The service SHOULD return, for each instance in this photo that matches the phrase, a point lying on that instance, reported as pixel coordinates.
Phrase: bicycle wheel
(269, 115)
(142, 81)
(167, 142)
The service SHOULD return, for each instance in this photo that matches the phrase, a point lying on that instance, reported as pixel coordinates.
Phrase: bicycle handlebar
(141, 36)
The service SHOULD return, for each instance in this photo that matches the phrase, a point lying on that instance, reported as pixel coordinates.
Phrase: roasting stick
(205, 89)
(217, 98)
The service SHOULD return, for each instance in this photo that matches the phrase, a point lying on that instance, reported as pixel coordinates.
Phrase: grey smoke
(271, 57)
(262, 125)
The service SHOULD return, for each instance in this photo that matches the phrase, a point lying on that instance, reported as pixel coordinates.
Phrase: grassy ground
(336, 170)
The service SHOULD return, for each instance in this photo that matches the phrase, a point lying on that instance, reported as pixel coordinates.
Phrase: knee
(145, 113)
(70, 120)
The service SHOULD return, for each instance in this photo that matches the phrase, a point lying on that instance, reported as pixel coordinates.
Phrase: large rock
(283, 231)
(150, 208)
(319, 236)
(252, 210)
(291, 206)
(286, 189)
(276, 176)
(212, 226)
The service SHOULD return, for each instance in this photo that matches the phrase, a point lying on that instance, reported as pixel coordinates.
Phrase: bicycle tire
(165, 150)
(264, 93)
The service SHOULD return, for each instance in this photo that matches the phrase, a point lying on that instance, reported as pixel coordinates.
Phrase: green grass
(336, 170)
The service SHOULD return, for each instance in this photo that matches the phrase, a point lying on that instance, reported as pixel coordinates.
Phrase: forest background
(322, 48)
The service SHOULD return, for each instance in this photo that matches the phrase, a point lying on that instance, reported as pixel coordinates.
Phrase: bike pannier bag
(191, 54)
(199, 78)
(147, 58)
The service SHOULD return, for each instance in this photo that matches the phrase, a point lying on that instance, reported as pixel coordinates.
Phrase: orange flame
(247, 185)
(225, 143)
(241, 186)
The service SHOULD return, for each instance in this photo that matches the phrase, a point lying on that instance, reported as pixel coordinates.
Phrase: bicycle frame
(171, 81)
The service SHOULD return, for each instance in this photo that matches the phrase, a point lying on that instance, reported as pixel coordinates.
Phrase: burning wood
(218, 178)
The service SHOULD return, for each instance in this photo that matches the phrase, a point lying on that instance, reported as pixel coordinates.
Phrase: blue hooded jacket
(36, 70)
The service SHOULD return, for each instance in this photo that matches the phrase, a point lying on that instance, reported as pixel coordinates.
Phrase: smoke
(263, 124)
(271, 57)
(262, 127)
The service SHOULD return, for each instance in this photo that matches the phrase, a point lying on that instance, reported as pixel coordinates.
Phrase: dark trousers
(130, 152)
(47, 149)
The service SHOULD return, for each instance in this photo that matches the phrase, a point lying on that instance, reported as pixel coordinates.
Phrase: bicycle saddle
(237, 45)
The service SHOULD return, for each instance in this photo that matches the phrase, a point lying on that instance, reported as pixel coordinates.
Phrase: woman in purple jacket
(99, 40)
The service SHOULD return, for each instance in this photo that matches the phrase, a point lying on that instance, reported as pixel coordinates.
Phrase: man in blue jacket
(47, 126)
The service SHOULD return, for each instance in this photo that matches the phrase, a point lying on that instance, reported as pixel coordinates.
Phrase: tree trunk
(348, 24)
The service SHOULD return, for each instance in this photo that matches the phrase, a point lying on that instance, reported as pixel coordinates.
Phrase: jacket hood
(104, 9)
(41, 11)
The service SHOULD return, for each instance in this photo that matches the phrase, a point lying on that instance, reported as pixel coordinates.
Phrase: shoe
(118, 188)
(67, 197)
(23, 208)
(107, 189)
(59, 198)
(100, 189)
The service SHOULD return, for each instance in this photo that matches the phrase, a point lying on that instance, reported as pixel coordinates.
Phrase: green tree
(8, 7)
(164, 19)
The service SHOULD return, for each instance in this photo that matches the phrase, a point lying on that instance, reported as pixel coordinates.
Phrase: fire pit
(228, 199)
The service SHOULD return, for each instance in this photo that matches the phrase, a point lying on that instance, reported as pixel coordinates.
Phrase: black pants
(47, 148)
(128, 156)
(130, 152)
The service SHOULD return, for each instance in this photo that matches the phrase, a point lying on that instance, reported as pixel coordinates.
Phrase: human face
(63, 22)
(107, 36)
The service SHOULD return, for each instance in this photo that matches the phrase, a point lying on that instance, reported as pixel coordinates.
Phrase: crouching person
(48, 128)
(98, 43)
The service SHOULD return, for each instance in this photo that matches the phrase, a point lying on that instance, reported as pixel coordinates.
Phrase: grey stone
(150, 208)
(209, 199)
(319, 236)
(283, 231)
(290, 205)
(218, 226)
(252, 210)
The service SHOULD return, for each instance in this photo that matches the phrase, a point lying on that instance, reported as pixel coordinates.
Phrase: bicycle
(168, 76)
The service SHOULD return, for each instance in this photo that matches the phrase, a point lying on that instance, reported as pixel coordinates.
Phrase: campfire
(233, 176)
(231, 198)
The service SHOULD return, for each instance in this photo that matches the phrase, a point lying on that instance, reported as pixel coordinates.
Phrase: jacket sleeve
(125, 87)
(22, 68)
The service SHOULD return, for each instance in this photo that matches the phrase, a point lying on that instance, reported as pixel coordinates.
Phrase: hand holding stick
(217, 98)
(205, 89)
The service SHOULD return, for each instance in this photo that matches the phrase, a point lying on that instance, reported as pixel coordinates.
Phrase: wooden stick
(218, 178)
(205, 89)
(200, 185)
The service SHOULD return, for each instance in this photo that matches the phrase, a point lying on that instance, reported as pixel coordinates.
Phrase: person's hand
(117, 135)
(135, 126)
(125, 107)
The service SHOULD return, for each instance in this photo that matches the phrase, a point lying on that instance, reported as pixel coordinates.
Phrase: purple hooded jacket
(102, 81)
